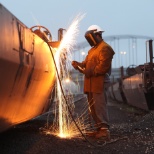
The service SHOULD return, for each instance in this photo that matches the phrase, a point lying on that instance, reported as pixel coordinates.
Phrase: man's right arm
(78, 66)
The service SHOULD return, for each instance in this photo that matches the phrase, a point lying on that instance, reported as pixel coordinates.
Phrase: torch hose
(66, 99)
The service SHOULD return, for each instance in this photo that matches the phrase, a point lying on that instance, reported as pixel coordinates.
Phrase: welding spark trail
(63, 123)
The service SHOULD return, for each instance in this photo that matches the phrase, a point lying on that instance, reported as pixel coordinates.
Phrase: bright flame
(63, 59)
(67, 80)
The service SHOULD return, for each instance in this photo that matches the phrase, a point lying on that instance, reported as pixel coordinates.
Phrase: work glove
(78, 66)
(75, 64)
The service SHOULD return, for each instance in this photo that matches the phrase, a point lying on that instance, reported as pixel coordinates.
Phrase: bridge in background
(129, 49)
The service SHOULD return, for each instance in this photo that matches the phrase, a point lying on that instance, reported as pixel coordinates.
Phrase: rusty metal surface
(130, 91)
(133, 91)
(27, 72)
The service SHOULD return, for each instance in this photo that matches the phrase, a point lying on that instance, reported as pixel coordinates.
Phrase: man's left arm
(105, 59)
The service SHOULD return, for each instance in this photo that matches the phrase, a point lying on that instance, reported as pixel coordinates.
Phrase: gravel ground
(132, 132)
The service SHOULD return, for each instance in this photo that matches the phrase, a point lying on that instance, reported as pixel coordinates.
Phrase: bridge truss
(129, 49)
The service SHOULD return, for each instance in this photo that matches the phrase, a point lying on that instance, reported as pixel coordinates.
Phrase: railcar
(137, 88)
(27, 70)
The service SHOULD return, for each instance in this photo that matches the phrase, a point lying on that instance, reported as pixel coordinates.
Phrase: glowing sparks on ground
(63, 125)
(82, 121)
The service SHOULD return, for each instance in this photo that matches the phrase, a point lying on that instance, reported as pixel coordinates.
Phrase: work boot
(103, 133)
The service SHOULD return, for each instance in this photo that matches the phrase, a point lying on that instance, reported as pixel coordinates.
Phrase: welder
(95, 68)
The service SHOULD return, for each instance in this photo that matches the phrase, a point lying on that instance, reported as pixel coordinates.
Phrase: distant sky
(116, 17)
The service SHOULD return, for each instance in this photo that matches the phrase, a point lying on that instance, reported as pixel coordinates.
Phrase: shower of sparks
(63, 125)
(63, 57)
(82, 120)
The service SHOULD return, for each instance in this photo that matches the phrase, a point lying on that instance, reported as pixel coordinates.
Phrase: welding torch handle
(77, 66)
(80, 69)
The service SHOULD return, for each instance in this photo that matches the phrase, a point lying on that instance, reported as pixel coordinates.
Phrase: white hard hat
(96, 28)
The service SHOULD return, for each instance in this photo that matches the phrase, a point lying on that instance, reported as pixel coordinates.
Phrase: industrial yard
(132, 131)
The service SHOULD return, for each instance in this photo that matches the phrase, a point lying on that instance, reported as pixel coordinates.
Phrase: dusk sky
(116, 17)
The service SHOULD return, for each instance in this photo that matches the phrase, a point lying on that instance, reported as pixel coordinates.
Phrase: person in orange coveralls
(95, 68)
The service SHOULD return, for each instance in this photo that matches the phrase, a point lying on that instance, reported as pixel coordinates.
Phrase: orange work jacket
(97, 63)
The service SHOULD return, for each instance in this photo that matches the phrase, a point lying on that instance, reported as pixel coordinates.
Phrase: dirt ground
(132, 132)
